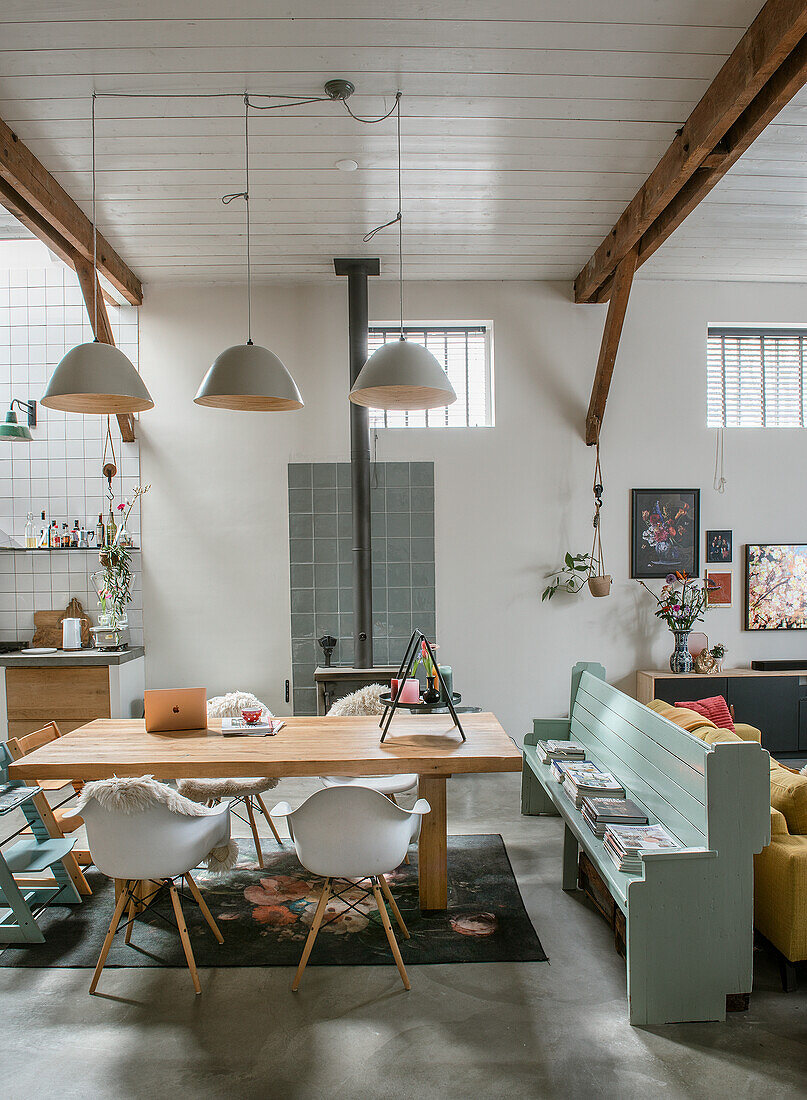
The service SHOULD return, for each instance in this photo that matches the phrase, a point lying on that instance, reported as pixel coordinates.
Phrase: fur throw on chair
(231, 704)
(132, 796)
(364, 701)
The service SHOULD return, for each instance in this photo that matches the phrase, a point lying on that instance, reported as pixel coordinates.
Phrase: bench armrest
(549, 729)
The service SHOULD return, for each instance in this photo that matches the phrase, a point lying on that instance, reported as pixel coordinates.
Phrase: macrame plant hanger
(599, 582)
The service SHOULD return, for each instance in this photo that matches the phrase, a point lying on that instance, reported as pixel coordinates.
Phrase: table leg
(432, 860)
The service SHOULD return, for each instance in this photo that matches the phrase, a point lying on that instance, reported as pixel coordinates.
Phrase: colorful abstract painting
(665, 532)
(776, 587)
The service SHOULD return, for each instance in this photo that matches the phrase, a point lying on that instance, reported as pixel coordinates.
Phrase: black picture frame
(680, 509)
(719, 549)
(747, 620)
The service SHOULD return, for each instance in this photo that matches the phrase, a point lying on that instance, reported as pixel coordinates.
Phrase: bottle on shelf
(83, 543)
(43, 534)
(99, 531)
(30, 532)
(65, 543)
(111, 528)
(53, 536)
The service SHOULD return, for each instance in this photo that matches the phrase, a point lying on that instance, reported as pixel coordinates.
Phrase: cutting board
(48, 625)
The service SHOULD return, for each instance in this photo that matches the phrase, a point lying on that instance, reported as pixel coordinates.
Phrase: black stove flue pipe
(357, 271)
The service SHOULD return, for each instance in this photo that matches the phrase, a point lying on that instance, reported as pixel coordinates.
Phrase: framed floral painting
(776, 587)
(665, 532)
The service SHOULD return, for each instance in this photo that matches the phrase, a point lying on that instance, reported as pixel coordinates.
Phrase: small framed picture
(718, 547)
(719, 596)
(665, 532)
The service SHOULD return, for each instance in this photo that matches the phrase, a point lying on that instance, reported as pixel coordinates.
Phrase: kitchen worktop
(63, 657)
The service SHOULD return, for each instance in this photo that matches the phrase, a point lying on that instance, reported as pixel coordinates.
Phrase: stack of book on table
(625, 844)
(580, 780)
(560, 750)
(600, 812)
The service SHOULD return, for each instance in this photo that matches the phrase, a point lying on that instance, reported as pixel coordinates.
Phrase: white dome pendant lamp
(248, 377)
(401, 374)
(96, 377)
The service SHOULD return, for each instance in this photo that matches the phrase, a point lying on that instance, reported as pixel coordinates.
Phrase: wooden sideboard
(69, 690)
(774, 702)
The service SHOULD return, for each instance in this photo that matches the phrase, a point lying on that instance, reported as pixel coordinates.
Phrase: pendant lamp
(401, 374)
(96, 377)
(12, 430)
(248, 377)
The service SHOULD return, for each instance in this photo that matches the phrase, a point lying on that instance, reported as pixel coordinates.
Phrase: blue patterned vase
(681, 659)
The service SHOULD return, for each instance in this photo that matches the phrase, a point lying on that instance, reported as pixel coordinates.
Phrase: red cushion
(715, 709)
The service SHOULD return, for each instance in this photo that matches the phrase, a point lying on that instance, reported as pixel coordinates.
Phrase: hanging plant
(599, 582)
(571, 578)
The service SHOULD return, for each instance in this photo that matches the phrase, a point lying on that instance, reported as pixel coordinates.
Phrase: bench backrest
(663, 766)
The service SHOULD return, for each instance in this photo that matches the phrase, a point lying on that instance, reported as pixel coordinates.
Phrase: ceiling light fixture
(96, 377)
(248, 377)
(402, 374)
(11, 429)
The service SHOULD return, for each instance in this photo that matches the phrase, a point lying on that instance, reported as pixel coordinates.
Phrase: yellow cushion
(717, 735)
(778, 824)
(780, 901)
(748, 733)
(688, 720)
(789, 796)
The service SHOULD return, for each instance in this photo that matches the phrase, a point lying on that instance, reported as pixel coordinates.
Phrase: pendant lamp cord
(94, 232)
(399, 216)
(596, 565)
(227, 199)
(719, 480)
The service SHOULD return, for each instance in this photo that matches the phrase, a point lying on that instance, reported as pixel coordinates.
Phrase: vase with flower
(680, 605)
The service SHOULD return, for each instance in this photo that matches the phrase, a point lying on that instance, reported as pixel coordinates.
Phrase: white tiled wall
(42, 315)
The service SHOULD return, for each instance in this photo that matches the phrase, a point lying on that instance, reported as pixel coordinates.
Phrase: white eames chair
(353, 834)
(146, 850)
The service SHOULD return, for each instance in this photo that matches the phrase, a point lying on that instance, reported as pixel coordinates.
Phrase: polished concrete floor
(481, 1031)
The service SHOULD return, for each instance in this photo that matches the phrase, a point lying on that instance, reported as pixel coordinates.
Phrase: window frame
(392, 331)
(759, 332)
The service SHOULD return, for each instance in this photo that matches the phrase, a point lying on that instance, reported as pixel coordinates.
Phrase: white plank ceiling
(524, 134)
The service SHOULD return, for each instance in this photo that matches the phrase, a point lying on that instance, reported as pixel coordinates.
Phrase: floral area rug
(264, 914)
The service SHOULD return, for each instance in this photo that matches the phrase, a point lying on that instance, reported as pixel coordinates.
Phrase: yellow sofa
(780, 869)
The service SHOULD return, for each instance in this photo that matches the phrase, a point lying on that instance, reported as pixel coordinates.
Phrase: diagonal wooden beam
(775, 33)
(617, 308)
(31, 182)
(99, 319)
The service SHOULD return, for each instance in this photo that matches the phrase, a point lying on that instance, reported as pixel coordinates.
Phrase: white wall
(509, 500)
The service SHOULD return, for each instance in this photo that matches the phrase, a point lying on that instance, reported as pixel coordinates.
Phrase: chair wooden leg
(200, 901)
(396, 951)
(312, 935)
(393, 906)
(113, 925)
(183, 935)
(130, 916)
(254, 827)
(265, 813)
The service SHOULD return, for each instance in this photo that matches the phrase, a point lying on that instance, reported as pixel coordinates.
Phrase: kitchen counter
(91, 657)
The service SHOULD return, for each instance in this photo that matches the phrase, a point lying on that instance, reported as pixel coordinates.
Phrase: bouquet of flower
(682, 601)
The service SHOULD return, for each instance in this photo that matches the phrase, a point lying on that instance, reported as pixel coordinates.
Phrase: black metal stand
(417, 640)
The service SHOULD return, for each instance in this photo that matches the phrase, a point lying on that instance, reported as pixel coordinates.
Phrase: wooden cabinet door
(57, 694)
(771, 703)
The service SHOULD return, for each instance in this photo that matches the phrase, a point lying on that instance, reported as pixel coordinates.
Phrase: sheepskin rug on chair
(231, 704)
(366, 700)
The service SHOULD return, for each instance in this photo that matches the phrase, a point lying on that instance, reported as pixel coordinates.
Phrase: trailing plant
(571, 578)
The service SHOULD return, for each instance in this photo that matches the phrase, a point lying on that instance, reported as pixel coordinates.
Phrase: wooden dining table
(426, 744)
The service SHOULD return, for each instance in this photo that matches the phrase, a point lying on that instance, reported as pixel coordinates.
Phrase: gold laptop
(171, 709)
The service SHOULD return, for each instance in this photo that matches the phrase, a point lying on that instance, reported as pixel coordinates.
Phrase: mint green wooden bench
(689, 915)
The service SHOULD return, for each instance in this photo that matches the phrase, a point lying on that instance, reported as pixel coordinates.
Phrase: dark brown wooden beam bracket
(617, 308)
(99, 320)
(762, 51)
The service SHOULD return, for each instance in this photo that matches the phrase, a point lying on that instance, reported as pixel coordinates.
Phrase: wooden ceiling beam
(99, 319)
(772, 37)
(27, 179)
(617, 308)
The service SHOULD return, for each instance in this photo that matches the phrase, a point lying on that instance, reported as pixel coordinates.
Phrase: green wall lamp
(11, 429)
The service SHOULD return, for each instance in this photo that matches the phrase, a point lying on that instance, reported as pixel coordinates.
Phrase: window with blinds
(464, 352)
(755, 378)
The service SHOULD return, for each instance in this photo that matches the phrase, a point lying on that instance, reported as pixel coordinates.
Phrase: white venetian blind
(464, 354)
(755, 378)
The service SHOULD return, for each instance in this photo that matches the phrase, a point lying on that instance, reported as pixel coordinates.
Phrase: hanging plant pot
(599, 586)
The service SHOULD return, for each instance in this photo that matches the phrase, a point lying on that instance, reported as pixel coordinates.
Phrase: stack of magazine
(559, 750)
(626, 843)
(580, 781)
(599, 812)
